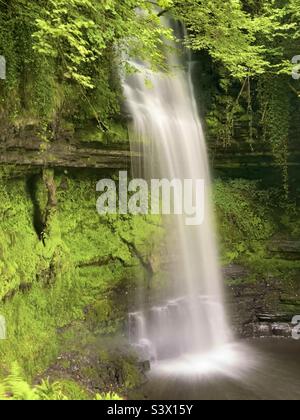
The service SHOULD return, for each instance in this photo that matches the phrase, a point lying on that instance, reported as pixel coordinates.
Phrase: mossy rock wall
(81, 268)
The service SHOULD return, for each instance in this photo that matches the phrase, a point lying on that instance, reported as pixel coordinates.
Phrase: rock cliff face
(68, 274)
(263, 308)
(62, 263)
(30, 151)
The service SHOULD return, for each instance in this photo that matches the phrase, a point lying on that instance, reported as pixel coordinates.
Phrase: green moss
(116, 135)
(105, 315)
(90, 135)
(37, 91)
(19, 246)
(16, 387)
(82, 272)
(33, 319)
(249, 220)
(132, 376)
(245, 221)
(73, 391)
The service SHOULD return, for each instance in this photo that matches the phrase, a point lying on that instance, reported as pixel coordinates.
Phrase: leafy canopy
(78, 33)
(247, 36)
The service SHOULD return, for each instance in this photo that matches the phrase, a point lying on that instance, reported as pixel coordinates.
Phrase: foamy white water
(168, 131)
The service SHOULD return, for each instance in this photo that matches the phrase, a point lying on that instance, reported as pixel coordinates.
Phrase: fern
(110, 396)
(50, 391)
(15, 387)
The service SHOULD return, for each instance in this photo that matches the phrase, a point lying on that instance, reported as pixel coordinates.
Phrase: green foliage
(15, 387)
(230, 109)
(109, 396)
(17, 238)
(275, 109)
(80, 31)
(64, 59)
(77, 275)
(74, 391)
(250, 220)
(250, 46)
(244, 219)
(29, 91)
(238, 33)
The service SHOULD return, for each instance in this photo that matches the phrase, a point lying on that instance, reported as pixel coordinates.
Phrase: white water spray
(168, 130)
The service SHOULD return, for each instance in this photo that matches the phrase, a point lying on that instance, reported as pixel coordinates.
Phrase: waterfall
(167, 130)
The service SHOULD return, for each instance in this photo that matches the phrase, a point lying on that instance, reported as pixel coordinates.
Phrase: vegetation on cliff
(66, 273)
(73, 273)
(63, 60)
(16, 388)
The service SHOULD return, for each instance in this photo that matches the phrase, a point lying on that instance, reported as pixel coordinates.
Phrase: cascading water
(166, 125)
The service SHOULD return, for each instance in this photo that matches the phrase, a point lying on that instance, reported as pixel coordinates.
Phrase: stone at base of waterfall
(282, 330)
(275, 329)
(263, 330)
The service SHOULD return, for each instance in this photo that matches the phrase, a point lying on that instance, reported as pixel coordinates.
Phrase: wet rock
(275, 317)
(263, 330)
(234, 271)
(100, 370)
(261, 308)
(145, 366)
(32, 152)
(287, 248)
(247, 330)
(281, 330)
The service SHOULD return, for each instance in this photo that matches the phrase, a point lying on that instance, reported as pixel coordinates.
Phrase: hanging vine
(275, 120)
(232, 114)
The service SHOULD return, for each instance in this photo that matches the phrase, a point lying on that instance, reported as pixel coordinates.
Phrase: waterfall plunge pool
(256, 369)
